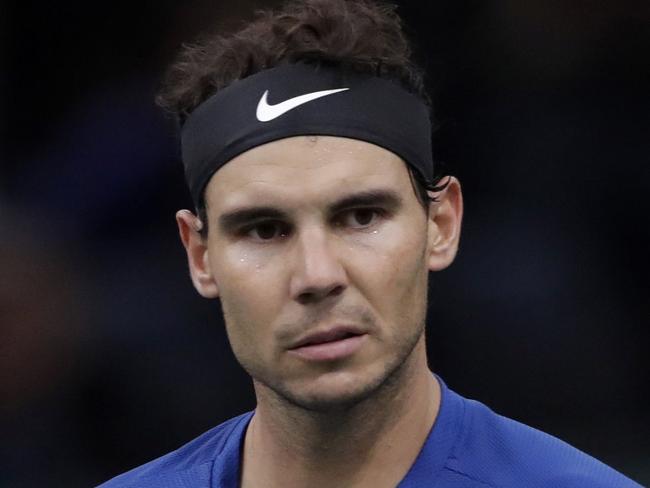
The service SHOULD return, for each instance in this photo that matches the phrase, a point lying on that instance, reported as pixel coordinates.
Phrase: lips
(330, 335)
(329, 345)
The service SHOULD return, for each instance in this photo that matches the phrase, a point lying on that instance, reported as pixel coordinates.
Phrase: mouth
(332, 344)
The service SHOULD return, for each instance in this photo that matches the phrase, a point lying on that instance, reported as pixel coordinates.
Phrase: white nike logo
(266, 112)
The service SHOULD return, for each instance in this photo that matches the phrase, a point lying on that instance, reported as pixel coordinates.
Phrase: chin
(321, 397)
(336, 391)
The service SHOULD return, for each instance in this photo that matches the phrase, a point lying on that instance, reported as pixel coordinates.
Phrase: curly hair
(359, 35)
(362, 36)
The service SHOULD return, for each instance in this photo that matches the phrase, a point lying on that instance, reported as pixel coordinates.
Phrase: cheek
(249, 292)
(396, 287)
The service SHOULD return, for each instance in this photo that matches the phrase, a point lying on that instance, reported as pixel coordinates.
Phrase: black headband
(301, 99)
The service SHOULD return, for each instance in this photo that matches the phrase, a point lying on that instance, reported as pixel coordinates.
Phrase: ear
(196, 246)
(445, 217)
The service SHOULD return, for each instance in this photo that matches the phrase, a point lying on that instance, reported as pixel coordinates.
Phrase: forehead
(306, 169)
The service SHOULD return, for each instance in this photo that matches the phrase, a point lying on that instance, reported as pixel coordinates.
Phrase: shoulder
(191, 464)
(497, 451)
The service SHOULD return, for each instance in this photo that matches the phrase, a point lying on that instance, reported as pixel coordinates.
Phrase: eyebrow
(230, 221)
(389, 199)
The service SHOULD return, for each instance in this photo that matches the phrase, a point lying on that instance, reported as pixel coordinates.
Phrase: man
(306, 140)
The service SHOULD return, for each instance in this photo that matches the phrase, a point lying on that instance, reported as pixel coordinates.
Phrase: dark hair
(361, 35)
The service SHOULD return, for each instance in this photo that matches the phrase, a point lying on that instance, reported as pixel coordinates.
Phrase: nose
(318, 272)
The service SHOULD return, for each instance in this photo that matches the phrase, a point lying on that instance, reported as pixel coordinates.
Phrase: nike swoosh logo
(266, 112)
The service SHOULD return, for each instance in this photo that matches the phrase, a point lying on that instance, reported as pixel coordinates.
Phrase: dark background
(108, 358)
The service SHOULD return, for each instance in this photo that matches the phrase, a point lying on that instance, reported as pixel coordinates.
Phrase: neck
(288, 446)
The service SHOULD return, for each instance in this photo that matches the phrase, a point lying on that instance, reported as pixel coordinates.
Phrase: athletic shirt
(469, 446)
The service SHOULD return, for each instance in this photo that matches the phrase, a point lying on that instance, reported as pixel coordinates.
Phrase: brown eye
(266, 231)
(364, 216)
(359, 218)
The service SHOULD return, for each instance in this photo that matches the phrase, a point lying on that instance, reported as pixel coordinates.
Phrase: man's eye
(266, 231)
(360, 217)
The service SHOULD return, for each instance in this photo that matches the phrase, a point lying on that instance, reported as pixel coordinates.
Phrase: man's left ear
(445, 217)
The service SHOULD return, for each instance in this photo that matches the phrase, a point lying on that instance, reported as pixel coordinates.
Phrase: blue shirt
(469, 446)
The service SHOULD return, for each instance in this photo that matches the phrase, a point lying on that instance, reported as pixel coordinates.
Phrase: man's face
(312, 235)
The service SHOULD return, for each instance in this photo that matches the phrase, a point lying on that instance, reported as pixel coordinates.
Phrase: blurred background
(108, 357)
